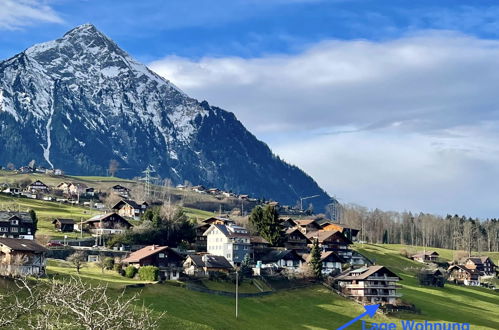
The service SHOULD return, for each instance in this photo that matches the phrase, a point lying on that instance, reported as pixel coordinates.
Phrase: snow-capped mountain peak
(80, 101)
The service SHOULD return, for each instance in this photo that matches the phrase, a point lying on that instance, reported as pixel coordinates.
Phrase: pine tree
(315, 260)
(34, 218)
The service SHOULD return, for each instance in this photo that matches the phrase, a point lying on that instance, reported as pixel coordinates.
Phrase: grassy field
(308, 308)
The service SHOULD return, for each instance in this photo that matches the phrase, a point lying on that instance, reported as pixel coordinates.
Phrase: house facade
(295, 239)
(483, 265)
(21, 257)
(285, 259)
(229, 241)
(64, 225)
(107, 224)
(332, 241)
(460, 274)
(129, 208)
(204, 265)
(331, 262)
(120, 190)
(370, 285)
(429, 256)
(166, 259)
(16, 225)
(38, 187)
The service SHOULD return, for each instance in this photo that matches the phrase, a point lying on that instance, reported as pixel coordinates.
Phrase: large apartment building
(230, 241)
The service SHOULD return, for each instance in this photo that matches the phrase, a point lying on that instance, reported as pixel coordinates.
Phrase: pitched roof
(103, 217)
(326, 255)
(305, 222)
(64, 221)
(258, 240)
(276, 255)
(23, 216)
(428, 253)
(230, 231)
(323, 235)
(213, 219)
(144, 253)
(210, 261)
(364, 272)
(18, 244)
(464, 268)
(130, 202)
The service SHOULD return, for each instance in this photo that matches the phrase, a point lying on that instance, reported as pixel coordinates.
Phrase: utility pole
(237, 293)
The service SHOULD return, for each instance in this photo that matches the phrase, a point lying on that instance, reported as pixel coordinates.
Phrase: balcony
(373, 286)
(393, 295)
(381, 278)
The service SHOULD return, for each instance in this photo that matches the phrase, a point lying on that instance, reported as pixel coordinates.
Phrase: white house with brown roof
(129, 208)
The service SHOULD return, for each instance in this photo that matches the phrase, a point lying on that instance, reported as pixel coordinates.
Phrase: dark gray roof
(18, 244)
(364, 272)
(64, 221)
(276, 255)
(212, 261)
(23, 216)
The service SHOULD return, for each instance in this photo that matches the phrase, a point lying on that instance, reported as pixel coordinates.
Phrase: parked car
(54, 244)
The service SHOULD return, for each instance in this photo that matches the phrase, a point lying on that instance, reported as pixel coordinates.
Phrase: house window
(161, 255)
(4, 229)
(22, 230)
(236, 247)
(14, 222)
(14, 229)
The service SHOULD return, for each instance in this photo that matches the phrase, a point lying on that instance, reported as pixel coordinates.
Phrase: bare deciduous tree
(113, 167)
(77, 259)
(73, 304)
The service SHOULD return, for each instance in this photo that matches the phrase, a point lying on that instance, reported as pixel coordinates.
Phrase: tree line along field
(315, 307)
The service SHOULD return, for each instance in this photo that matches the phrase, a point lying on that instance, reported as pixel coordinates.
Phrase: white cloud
(421, 110)
(17, 13)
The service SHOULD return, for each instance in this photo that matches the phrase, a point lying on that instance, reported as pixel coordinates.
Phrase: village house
(72, 189)
(282, 259)
(219, 221)
(332, 241)
(64, 225)
(21, 257)
(11, 190)
(38, 187)
(121, 190)
(199, 189)
(205, 265)
(90, 192)
(350, 233)
(287, 223)
(460, 274)
(431, 277)
(16, 225)
(307, 225)
(213, 191)
(107, 224)
(200, 242)
(295, 239)
(259, 246)
(129, 208)
(331, 262)
(429, 256)
(166, 259)
(483, 265)
(369, 285)
(229, 241)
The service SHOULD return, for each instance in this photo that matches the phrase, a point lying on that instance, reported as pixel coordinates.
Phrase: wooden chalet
(206, 265)
(129, 208)
(428, 256)
(460, 274)
(21, 257)
(285, 259)
(332, 241)
(295, 239)
(484, 265)
(37, 187)
(107, 224)
(350, 233)
(219, 221)
(16, 225)
(64, 225)
(431, 277)
(200, 242)
(167, 260)
(120, 190)
(307, 225)
(331, 262)
(369, 285)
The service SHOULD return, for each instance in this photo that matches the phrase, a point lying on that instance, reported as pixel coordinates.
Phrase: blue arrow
(370, 310)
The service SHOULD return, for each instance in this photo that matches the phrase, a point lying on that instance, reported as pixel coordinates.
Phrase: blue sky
(389, 104)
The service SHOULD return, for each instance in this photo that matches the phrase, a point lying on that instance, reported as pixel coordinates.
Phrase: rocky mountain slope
(80, 101)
